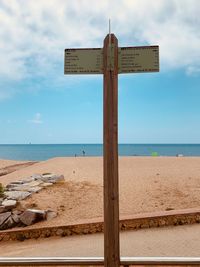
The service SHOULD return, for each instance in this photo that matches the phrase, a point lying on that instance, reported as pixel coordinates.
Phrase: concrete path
(167, 241)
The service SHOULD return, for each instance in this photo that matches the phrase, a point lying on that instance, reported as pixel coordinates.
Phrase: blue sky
(39, 104)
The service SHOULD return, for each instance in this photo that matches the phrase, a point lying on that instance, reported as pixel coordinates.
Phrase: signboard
(138, 59)
(84, 61)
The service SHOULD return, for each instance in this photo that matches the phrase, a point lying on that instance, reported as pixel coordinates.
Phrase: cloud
(36, 119)
(33, 38)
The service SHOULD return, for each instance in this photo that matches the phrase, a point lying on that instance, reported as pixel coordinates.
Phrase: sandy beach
(146, 184)
(6, 162)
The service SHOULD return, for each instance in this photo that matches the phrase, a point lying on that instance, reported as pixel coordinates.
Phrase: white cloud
(34, 34)
(194, 71)
(36, 119)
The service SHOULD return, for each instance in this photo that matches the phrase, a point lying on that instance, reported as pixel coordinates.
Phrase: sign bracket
(111, 57)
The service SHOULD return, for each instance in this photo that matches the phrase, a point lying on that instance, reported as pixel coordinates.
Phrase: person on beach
(83, 153)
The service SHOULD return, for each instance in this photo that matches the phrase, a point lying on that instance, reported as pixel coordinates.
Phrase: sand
(6, 162)
(147, 184)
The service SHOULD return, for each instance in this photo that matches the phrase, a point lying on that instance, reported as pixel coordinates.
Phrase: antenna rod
(109, 32)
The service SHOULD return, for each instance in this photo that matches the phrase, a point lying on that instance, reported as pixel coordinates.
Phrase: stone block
(46, 184)
(3, 217)
(31, 216)
(34, 189)
(17, 195)
(9, 203)
(2, 209)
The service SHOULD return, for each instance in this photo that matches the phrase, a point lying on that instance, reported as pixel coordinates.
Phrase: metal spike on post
(109, 47)
(109, 33)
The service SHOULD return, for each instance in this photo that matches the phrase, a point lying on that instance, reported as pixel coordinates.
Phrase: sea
(38, 152)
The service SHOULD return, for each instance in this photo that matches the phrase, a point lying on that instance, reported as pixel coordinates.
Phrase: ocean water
(44, 152)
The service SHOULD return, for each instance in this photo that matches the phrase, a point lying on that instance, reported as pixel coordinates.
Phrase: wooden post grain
(111, 191)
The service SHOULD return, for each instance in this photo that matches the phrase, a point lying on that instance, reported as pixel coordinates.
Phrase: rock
(2, 209)
(52, 178)
(27, 188)
(9, 203)
(17, 212)
(59, 178)
(47, 175)
(19, 188)
(13, 184)
(46, 184)
(17, 195)
(31, 216)
(34, 183)
(23, 187)
(51, 181)
(36, 176)
(3, 217)
(34, 189)
(15, 218)
(50, 214)
(28, 180)
(9, 223)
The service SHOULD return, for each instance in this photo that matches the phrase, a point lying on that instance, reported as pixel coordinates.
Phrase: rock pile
(20, 190)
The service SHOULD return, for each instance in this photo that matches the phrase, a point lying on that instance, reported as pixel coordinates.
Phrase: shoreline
(37, 152)
(5, 162)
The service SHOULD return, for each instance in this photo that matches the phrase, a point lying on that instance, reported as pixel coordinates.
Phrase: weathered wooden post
(110, 152)
(110, 61)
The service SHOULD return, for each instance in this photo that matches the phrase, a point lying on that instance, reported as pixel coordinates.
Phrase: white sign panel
(84, 61)
(138, 59)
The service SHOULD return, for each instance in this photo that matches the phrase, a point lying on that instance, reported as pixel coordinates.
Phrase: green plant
(1, 190)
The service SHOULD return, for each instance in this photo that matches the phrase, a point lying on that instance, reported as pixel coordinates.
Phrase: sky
(39, 104)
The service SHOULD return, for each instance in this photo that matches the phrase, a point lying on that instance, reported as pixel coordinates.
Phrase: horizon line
(100, 144)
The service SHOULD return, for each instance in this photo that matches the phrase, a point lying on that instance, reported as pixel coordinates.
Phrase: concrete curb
(138, 221)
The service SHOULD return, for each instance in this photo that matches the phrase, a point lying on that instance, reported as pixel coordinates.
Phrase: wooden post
(111, 191)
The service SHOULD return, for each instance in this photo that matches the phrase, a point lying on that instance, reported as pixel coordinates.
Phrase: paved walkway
(167, 241)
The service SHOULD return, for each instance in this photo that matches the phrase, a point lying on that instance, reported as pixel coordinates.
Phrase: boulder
(2, 209)
(31, 216)
(9, 223)
(34, 189)
(26, 188)
(3, 217)
(52, 178)
(34, 183)
(46, 184)
(17, 195)
(15, 218)
(58, 178)
(28, 180)
(9, 203)
(19, 188)
(13, 184)
(17, 212)
(36, 176)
